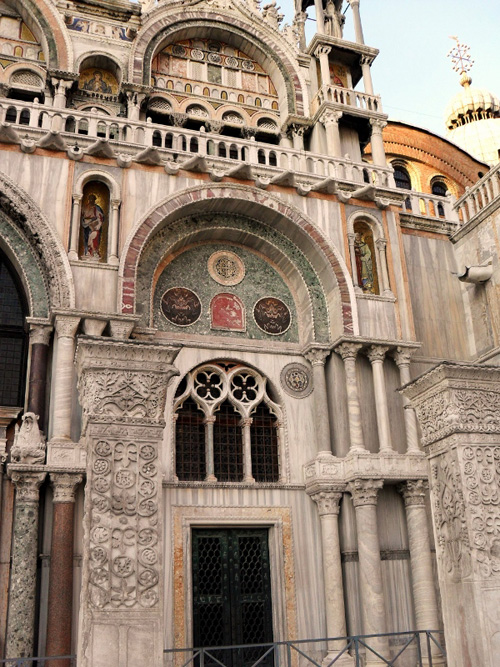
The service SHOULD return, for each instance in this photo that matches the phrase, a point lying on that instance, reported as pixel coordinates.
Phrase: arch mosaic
(42, 241)
(44, 19)
(284, 224)
(172, 27)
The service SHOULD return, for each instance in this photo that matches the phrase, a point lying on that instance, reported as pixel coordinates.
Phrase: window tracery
(227, 427)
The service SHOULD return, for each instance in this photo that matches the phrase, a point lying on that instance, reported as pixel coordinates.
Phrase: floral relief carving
(450, 518)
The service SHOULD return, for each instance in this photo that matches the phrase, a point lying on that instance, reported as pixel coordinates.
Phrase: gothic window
(226, 426)
(364, 252)
(13, 339)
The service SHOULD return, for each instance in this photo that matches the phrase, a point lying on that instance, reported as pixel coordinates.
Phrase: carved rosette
(122, 391)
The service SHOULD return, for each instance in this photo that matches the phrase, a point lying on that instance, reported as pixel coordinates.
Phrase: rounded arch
(281, 218)
(97, 175)
(413, 174)
(101, 60)
(364, 216)
(41, 242)
(43, 19)
(167, 25)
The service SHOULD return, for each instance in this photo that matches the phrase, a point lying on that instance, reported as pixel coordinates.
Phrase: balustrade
(479, 195)
(430, 206)
(347, 97)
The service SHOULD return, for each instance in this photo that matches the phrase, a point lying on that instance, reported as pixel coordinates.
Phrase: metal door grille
(264, 438)
(190, 442)
(232, 594)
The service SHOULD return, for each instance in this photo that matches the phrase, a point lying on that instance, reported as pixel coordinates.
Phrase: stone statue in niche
(228, 313)
(93, 221)
(334, 20)
(29, 444)
(365, 258)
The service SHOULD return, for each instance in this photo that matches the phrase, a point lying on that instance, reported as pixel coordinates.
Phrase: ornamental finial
(461, 61)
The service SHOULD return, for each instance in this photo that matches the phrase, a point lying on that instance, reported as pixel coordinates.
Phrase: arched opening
(364, 252)
(94, 222)
(402, 180)
(439, 188)
(13, 336)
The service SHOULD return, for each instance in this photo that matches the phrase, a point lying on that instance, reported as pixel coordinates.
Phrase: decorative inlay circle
(197, 54)
(231, 61)
(248, 65)
(181, 306)
(178, 50)
(272, 315)
(296, 380)
(214, 58)
(226, 268)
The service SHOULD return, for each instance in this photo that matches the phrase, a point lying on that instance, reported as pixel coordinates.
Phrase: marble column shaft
(330, 120)
(422, 575)
(317, 357)
(377, 142)
(66, 327)
(376, 355)
(364, 496)
(328, 507)
(322, 53)
(358, 29)
(60, 602)
(349, 352)
(21, 616)
(113, 231)
(247, 450)
(75, 227)
(209, 448)
(37, 390)
(367, 74)
(402, 359)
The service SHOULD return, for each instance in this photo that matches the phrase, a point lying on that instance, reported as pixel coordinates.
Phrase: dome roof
(471, 104)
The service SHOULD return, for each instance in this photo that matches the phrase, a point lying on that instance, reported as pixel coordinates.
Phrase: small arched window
(402, 177)
(226, 426)
(439, 188)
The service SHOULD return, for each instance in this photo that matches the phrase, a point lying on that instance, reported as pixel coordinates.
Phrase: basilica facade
(248, 345)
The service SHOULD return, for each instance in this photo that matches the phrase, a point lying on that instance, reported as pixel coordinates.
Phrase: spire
(461, 61)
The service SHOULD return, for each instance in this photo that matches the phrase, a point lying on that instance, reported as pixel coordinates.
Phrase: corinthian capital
(64, 486)
(317, 356)
(67, 325)
(330, 117)
(328, 502)
(27, 485)
(377, 125)
(376, 353)
(414, 492)
(364, 491)
(348, 350)
(402, 356)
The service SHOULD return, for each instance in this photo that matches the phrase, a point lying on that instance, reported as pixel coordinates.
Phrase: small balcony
(357, 102)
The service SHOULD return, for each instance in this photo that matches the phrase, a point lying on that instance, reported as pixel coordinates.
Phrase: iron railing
(416, 648)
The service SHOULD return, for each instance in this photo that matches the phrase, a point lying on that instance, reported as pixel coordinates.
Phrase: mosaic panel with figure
(224, 290)
(94, 222)
(16, 39)
(95, 80)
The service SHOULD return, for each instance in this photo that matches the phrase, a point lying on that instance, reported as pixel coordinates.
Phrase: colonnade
(363, 489)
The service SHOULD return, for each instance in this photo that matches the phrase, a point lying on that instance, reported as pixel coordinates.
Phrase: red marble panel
(228, 312)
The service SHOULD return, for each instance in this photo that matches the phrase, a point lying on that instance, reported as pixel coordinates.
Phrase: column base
(345, 660)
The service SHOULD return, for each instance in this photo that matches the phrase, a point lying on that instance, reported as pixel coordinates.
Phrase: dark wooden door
(232, 593)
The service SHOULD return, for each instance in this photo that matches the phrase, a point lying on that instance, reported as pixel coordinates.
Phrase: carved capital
(27, 485)
(323, 50)
(366, 60)
(115, 204)
(211, 419)
(364, 491)
(381, 244)
(402, 356)
(377, 353)
(377, 125)
(77, 199)
(179, 119)
(66, 326)
(413, 491)
(348, 350)
(330, 117)
(317, 356)
(215, 126)
(328, 502)
(40, 334)
(64, 485)
(246, 421)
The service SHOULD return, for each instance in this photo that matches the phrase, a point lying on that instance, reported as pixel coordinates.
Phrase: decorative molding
(296, 380)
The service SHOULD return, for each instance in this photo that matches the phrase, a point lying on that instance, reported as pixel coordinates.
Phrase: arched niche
(172, 28)
(367, 244)
(94, 222)
(98, 82)
(294, 238)
(46, 25)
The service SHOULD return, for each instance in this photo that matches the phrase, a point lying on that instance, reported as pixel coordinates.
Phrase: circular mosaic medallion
(231, 61)
(178, 50)
(197, 54)
(226, 268)
(248, 65)
(181, 306)
(272, 315)
(296, 380)
(214, 58)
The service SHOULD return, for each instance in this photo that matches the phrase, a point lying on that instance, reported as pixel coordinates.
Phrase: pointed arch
(36, 251)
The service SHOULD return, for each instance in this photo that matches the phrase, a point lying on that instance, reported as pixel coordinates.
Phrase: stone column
(37, 389)
(317, 358)
(376, 355)
(21, 616)
(60, 602)
(298, 132)
(322, 53)
(330, 120)
(320, 17)
(381, 246)
(402, 358)
(377, 142)
(364, 497)
(366, 62)
(66, 327)
(458, 410)
(122, 387)
(113, 232)
(209, 448)
(328, 508)
(422, 577)
(358, 29)
(352, 254)
(349, 352)
(247, 450)
(61, 88)
(75, 228)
